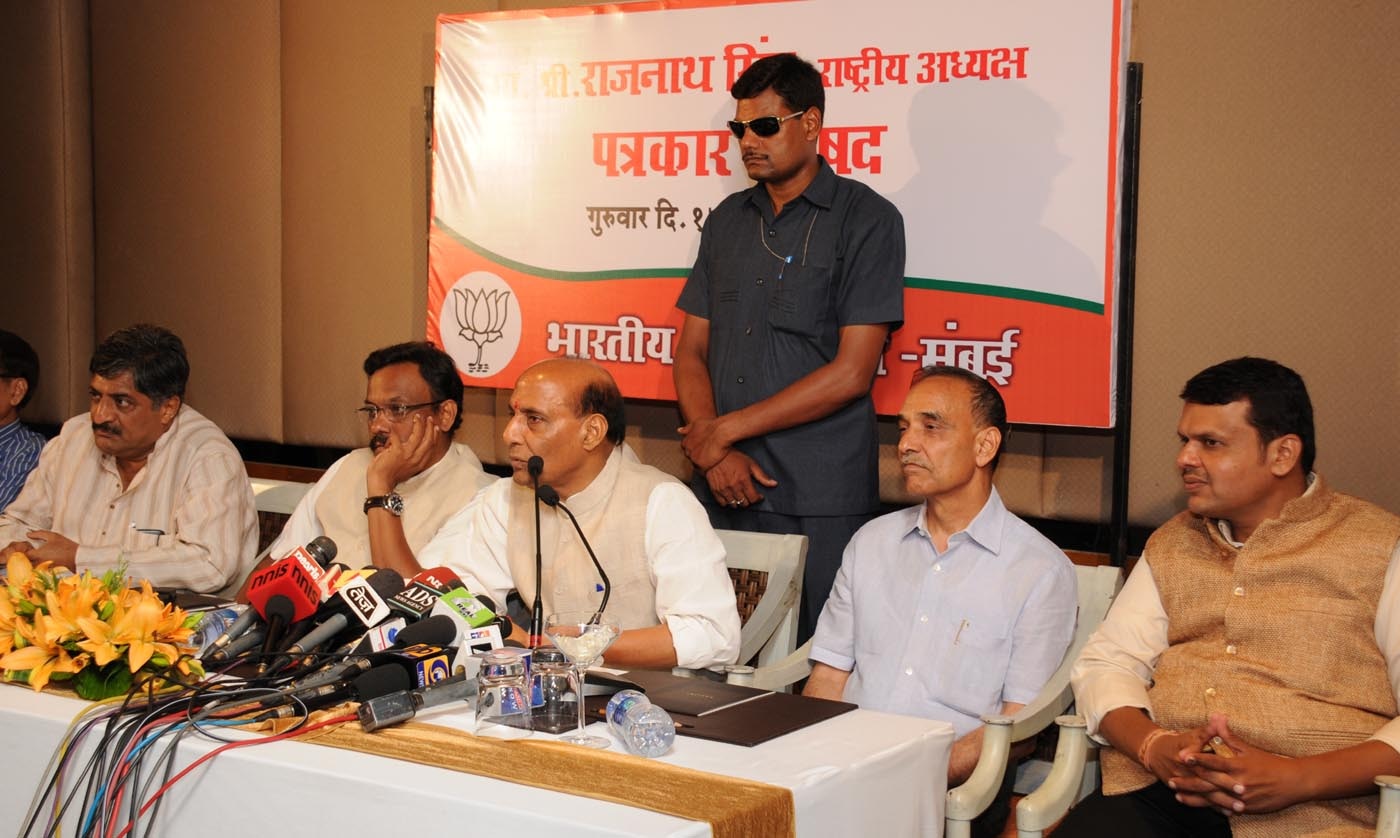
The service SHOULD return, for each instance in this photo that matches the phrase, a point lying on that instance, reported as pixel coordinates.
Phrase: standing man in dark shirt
(798, 284)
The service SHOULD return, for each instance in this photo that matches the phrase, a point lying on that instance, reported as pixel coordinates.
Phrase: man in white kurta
(383, 503)
(670, 589)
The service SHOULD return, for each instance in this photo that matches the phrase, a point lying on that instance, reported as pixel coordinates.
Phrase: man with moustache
(382, 504)
(142, 482)
(797, 286)
(1247, 675)
(671, 592)
(955, 608)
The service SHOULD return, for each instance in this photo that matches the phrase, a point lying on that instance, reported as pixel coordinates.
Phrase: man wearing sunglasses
(798, 283)
(383, 503)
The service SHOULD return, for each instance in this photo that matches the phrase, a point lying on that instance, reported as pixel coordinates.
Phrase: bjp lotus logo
(481, 316)
(487, 326)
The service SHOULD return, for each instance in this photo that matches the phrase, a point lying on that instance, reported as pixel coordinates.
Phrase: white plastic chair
(275, 497)
(770, 632)
(1098, 586)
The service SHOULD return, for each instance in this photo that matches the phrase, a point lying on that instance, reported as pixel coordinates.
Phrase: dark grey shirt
(776, 292)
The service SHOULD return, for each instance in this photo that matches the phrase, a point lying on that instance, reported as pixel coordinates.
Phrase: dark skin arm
(1255, 780)
(644, 648)
(708, 439)
(394, 463)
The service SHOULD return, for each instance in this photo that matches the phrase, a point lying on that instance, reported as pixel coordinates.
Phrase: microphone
(322, 550)
(379, 681)
(391, 709)
(251, 639)
(551, 497)
(535, 466)
(417, 600)
(362, 600)
(422, 664)
(275, 579)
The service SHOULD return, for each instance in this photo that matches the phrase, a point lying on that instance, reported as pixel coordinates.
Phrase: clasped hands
(57, 548)
(730, 473)
(1251, 780)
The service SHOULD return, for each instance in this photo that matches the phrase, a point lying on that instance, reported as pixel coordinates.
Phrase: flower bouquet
(92, 632)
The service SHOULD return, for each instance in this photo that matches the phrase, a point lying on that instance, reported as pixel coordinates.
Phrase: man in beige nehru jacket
(382, 504)
(140, 481)
(1246, 677)
(670, 590)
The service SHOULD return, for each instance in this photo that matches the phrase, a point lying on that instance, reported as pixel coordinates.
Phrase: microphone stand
(535, 466)
(551, 497)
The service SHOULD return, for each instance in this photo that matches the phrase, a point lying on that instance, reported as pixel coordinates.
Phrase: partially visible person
(141, 481)
(19, 445)
(671, 592)
(1261, 620)
(382, 504)
(797, 286)
(955, 608)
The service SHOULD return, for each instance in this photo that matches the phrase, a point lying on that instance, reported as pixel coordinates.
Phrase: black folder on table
(722, 712)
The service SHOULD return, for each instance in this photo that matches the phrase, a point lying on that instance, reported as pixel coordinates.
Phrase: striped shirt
(187, 519)
(19, 453)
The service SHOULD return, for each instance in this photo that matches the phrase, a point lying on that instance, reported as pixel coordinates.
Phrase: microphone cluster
(318, 633)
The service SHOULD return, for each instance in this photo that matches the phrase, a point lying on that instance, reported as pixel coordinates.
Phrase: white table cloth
(861, 773)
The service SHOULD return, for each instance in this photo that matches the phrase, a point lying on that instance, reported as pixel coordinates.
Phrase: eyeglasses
(394, 412)
(763, 126)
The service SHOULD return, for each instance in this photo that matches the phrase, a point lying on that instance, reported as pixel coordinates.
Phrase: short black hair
(796, 81)
(988, 407)
(154, 355)
(1278, 399)
(438, 369)
(19, 360)
(601, 396)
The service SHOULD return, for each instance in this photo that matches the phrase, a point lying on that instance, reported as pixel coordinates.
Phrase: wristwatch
(392, 502)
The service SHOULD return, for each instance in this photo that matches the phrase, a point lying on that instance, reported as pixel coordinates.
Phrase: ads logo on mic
(480, 323)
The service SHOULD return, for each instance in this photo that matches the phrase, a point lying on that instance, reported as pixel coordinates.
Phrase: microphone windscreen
(386, 581)
(381, 680)
(534, 467)
(322, 549)
(279, 606)
(437, 630)
(548, 495)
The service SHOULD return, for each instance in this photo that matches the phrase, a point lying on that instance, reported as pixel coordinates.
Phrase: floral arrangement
(91, 631)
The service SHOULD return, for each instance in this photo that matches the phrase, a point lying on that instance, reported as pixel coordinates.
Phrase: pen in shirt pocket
(155, 531)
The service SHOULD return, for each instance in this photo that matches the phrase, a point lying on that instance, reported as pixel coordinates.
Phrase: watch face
(392, 502)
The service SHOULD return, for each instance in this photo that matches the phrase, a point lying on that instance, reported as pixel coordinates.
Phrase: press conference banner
(578, 153)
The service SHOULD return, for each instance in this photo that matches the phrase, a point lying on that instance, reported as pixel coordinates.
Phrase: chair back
(767, 572)
(1098, 585)
(275, 501)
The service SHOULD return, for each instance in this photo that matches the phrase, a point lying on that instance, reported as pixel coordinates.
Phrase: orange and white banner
(578, 152)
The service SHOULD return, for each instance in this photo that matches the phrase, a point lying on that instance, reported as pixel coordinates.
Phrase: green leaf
(96, 683)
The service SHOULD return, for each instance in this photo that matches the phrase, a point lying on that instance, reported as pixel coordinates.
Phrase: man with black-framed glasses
(383, 503)
(798, 284)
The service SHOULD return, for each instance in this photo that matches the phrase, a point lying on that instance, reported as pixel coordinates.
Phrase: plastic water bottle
(646, 729)
(213, 624)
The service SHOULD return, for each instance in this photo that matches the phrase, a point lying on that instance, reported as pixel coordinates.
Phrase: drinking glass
(583, 637)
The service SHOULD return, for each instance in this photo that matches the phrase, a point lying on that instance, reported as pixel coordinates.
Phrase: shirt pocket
(801, 300)
(979, 651)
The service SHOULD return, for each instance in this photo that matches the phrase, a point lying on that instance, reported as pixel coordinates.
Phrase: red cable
(348, 717)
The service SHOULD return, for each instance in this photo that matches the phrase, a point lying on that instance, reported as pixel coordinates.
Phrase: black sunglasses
(763, 126)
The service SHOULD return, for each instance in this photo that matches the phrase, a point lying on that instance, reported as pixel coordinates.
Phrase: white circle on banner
(480, 323)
